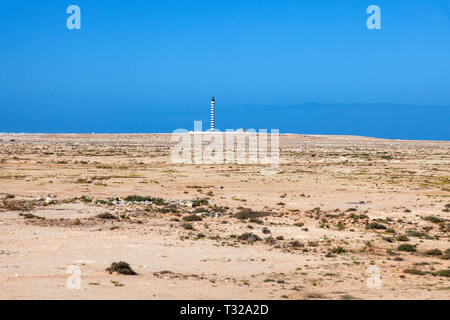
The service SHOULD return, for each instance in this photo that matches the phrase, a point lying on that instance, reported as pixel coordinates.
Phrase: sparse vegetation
(199, 202)
(10, 204)
(187, 226)
(30, 216)
(121, 267)
(414, 271)
(433, 252)
(192, 217)
(338, 250)
(106, 216)
(244, 214)
(135, 198)
(394, 215)
(402, 238)
(406, 247)
(117, 283)
(443, 273)
(433, 219)
(249, 237)
(375, 225)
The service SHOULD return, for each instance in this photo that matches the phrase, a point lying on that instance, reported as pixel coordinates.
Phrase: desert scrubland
(339, 209)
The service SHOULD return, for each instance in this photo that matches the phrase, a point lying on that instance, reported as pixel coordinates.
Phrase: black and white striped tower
(212, 113)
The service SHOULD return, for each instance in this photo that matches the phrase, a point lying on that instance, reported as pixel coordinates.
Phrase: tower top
(212, 98)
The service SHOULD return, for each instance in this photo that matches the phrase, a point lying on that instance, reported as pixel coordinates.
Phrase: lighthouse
(212, 113)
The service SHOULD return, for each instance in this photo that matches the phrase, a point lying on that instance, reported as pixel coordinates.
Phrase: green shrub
(249, 237)
(406, 247)
(255, 220)
(402, 238)
(135, 198)
(414, 271)
(414, 233)
(187, 226)
(444, 273)
(433, 252)
(244, 214)
(107, 216)
(338, 250)
(433, 219)
(446, 255)
(192, 217)
(199, 202)
(375, 225)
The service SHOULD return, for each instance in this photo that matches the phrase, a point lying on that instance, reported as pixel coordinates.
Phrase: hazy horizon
(391, 121)
(150, 66)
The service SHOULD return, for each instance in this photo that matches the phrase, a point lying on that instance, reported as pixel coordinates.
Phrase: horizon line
(193, 132)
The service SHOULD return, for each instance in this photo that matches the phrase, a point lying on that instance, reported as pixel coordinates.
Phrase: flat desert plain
(343, 218)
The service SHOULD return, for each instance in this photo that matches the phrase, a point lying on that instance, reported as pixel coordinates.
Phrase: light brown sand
(374, 177)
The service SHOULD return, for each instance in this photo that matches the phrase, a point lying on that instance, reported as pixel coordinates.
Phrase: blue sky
(151, 66)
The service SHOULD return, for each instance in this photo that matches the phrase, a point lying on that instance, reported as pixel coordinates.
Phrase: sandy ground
(339, 208)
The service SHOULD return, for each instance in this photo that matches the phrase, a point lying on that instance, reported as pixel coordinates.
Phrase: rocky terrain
(344, 218)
